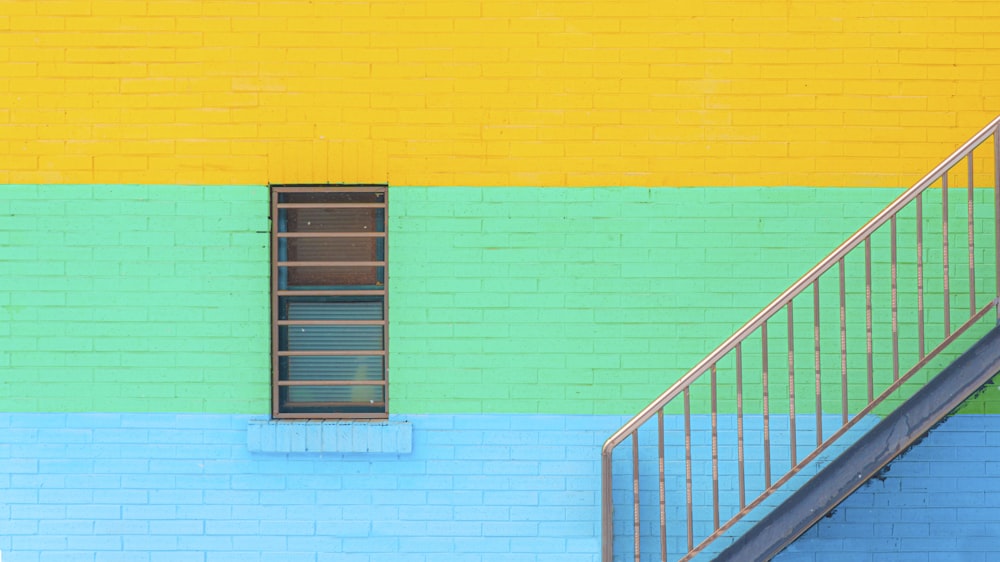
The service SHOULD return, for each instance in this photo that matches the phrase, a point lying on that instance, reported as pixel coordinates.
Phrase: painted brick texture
(594, 300)
(152, 487)
(488, 92)
(937, 502)
(556, 300)
(134, 298)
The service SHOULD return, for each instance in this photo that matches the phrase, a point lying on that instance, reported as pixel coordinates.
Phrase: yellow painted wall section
(493, 92)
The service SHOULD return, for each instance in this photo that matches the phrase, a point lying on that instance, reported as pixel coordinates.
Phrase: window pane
(331, 368)
(330, 308)
(342, 399)
(346, 277)
(332, 220)
(333, 338)
(332, 197)
(333, 249)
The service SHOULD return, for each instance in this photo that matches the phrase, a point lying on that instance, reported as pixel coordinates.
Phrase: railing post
(996, 212)
(607, 508)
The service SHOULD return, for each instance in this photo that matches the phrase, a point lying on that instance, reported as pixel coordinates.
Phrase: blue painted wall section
(939, 502)
(185, 487)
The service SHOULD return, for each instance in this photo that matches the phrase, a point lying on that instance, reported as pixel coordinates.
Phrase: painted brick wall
(557, 300)
(454, 92)
(134, 298)
(154, 298)
(938, 502)
(178, 488)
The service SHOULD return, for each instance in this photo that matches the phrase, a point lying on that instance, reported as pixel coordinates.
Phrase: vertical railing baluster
(715, 453)
(741, 467)
(819, 380)
(765, 408)
(944, 249)
(920, 275)
(868, 319)
(663, 487)
(895, 300)
(996, 214)
(635, 493)
(687, 466)
(972, 238)
(843, 345)
(791, 384)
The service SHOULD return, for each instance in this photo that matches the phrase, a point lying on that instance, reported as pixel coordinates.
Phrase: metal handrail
(783, 300)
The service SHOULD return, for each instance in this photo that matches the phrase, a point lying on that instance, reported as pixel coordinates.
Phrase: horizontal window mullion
(331, 383)
(332, 293)
(331, 234)
(331, 322)
(312, 188)
(340, 415)
(330, 205)
(330, 353)
(331, 264)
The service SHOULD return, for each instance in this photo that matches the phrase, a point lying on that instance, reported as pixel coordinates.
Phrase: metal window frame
(276, 292)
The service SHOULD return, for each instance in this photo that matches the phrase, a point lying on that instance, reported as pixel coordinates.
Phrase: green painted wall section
(134, 298)
(155, 298)
(596, 300)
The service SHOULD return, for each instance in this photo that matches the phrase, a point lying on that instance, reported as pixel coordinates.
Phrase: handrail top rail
(800, 285)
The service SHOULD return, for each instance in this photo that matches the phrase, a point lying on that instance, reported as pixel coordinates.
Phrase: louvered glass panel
(340, 368)
(331, 308)
(333, 338)
(345, 399)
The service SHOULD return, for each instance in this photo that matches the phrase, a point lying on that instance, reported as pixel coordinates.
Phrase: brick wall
(446, 92)
(937, 502)
(134, 298)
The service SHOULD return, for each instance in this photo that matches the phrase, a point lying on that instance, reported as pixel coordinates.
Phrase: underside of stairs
(871, 453)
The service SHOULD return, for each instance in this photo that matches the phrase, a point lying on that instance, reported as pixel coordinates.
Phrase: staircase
(772, 430)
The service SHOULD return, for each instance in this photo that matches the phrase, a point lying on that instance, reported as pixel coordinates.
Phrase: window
(328, 301)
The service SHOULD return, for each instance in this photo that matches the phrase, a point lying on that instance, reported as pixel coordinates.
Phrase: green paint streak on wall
(596, 300)
(134, 298)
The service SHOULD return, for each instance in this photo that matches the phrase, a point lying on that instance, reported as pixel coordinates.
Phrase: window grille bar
(331, 353)
(331, 205)
(331, 235)
(331, 322)
(330, 383)
(331, 264)
(330, 293)
(329, 187)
